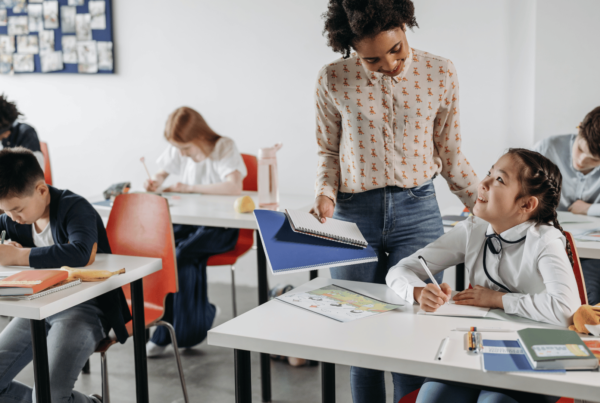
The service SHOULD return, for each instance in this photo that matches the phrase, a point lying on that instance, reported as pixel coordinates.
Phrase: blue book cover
(507, 356)
(287, 250)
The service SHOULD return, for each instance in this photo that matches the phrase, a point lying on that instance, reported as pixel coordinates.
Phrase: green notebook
(556, 349)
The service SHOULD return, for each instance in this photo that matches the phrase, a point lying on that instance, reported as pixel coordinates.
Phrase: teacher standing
(387, 123)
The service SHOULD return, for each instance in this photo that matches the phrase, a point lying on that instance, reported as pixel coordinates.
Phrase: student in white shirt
(514, 251)
(206, 163)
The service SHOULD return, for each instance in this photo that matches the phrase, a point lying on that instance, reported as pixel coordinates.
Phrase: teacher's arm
(456, 169)
(328, 132)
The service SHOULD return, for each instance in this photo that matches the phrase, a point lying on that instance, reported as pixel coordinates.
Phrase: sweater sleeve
(448, 250)
(561, 299)
(80, 225)
(456, 169)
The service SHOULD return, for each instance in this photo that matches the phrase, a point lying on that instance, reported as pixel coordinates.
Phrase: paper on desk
(452, 309)
(564, 217)
(590, 235)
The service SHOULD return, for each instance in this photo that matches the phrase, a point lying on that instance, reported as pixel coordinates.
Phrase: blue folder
(507, 356)
(287, 250)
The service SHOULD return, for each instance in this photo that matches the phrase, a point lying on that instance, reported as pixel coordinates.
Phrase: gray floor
(208, 370)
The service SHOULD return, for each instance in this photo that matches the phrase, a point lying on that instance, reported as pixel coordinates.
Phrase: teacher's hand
(323, 208)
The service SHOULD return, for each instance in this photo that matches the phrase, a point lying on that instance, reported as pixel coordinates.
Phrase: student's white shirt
(536, 270)
(44, 238)
(222, 161)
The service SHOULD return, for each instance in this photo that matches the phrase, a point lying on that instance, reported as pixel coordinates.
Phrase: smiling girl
(206, 163)
(514, 252)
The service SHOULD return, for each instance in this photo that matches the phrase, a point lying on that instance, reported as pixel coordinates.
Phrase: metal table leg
(327, 382)
(139, 342)
(243, 380)
(460, 277)
(40, 361)
(263, 296)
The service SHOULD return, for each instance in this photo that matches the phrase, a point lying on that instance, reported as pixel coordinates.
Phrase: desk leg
(263, 296)
(139, 342)
(460, 277)
(40, 361)
(327, 382)
(243, 380)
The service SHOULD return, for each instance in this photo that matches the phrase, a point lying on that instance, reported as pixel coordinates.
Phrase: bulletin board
(57, 36)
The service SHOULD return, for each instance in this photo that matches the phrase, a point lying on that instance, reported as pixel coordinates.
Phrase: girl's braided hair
(349, 21)
(541, 178)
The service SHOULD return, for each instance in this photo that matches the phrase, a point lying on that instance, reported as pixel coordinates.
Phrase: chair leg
(104, 372)
(233, 291)
(177, 357)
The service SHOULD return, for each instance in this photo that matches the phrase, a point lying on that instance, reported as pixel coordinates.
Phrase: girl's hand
(480, 296)
(323, 208)
(431, 297)
(179, 188)
(15, 244)
(151, 185)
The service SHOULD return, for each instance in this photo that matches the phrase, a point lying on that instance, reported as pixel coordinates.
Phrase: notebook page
(452, 309)
(333, 228)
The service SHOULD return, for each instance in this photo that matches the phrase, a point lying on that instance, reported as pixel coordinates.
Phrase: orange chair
(412, 397)
(47, 168)
(246, 237)
(140, 225)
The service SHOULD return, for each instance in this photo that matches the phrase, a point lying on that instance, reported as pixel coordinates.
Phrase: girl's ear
(529, 204)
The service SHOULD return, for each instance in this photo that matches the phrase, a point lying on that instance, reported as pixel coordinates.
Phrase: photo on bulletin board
(56, 36)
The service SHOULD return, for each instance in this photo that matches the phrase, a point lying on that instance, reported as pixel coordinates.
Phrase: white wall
(567, 85)
(250, 66)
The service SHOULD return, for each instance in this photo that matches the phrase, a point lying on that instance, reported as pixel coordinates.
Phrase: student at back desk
(578, 158)
(211, 164)
(49, 227)
(516, 260)
(16, 134)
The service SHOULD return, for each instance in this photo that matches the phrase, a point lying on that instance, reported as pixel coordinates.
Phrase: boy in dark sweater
(50, 228)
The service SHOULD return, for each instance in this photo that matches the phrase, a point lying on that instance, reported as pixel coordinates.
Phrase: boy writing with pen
(514, 251)
(50, 228)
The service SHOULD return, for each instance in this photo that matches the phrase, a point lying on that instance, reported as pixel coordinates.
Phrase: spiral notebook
(288, 251)
(332, 229)
(59, 287)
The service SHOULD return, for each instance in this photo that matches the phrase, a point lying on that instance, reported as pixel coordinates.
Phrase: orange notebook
(30, 282)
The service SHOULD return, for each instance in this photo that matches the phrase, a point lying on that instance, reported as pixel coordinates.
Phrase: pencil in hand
(143, 161)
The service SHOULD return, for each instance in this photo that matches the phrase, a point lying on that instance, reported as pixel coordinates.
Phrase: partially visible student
(514, 249)
(207, 163)
(578, 158)
(50, 228)
(16, 134)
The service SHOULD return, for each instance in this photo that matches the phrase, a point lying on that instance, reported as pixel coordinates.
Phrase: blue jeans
(434, 391)
(396, 222)
(72, 337)
(189, 311)
(591, 276)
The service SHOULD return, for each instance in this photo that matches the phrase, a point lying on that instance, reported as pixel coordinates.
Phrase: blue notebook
(287, 250)
(507, 356)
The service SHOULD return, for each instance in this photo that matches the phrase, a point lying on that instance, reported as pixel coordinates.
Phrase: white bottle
(268, 184)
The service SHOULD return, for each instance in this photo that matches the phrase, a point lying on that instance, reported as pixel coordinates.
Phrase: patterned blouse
(375, 131)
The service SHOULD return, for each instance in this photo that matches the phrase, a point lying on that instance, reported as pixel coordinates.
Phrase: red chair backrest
(47, 168)
(251, 180)
(577, 269)
(140, 225)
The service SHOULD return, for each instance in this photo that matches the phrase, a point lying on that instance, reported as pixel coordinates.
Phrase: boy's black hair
(590, 131)
(20, 172)
(349, 21)
(8, 112)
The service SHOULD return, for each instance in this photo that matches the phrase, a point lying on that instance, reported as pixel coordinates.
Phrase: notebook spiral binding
(324, 235)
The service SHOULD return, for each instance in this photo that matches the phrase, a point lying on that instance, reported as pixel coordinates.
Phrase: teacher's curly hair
(349, 21)
(8, 111)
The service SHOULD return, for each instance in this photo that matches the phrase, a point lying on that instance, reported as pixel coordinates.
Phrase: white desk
(398, 341)
(590, 250)
(217, 211)
(38, 309)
